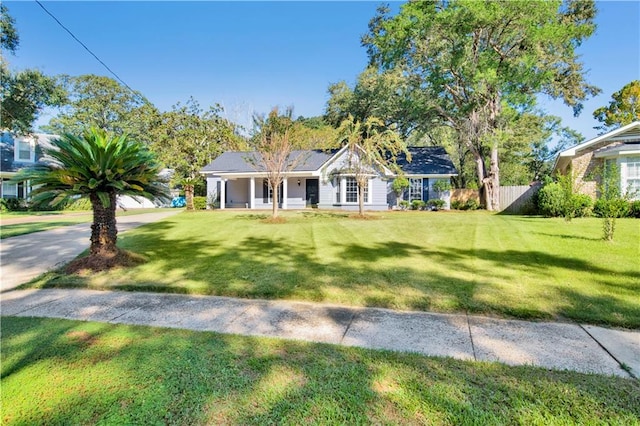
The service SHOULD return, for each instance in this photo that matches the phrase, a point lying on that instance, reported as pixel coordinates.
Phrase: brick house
(620, 147)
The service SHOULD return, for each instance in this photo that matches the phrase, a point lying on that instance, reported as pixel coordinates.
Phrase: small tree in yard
(274, 147)
(399, 185)
(99, 166)
(612, 202)
(369, 145)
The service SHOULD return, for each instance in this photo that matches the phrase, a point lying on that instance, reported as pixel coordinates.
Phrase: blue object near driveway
(178, 202)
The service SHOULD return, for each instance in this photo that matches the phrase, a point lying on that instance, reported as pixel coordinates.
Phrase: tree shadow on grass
(568, 236)
(134, 375)
(377, 274)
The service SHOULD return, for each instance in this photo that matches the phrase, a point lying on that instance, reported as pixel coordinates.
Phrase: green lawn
(71, 372)
(513, 266)
(52, 220)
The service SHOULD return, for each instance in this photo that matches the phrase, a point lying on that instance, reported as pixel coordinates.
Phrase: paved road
(24, 257)
(576, 347)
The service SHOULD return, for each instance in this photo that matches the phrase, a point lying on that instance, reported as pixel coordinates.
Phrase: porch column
(222, 193)
(343, 190)
(284, 193)
(252, 193)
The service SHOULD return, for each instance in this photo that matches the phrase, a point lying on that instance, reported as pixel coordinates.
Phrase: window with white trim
(24, 150)
(9, 189)
(415, 189)
(633, 177)
(337, 185)
(351, 190)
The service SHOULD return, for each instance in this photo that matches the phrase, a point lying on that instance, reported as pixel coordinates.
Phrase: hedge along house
(322, 179)
(620, 147)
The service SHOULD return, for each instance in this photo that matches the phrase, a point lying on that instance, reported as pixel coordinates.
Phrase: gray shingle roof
(241, 162)
(427, 160)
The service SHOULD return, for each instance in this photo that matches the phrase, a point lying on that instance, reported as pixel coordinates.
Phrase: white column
(284, 193)
(343, 190)
(252, 193)
(222, 193)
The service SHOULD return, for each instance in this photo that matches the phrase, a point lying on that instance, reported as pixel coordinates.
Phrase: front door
(312, 192)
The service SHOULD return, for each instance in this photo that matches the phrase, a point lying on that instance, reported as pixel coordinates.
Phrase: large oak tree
(466, 60)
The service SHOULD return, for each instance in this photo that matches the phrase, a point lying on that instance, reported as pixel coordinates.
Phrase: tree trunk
(494, 176)
(360, 197)
(188, 193)
(275, 189)
(104, 233)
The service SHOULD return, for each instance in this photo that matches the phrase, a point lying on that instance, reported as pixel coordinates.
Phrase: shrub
(417, 205)
(399, 185)
(81, 204)
(472, 204)
(404, 204)
(14, 204)
(580, 205)
(551, 200)
(435, 204)
(457, 205)
(634, 209)
(199, 203)
(615, 208)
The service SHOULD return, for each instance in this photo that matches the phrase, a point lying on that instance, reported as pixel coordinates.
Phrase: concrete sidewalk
(24, 257)
(588, 349)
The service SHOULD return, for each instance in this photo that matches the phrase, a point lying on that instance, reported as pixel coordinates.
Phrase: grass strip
(71, 372)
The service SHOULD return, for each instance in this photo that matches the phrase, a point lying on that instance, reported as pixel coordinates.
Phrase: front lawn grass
(71, 372)
(512, 266)
(44, 221)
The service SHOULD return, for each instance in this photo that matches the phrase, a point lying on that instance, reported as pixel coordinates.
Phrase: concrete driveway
(24, 257)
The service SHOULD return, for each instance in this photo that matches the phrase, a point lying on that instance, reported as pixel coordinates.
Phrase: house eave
(616, 154)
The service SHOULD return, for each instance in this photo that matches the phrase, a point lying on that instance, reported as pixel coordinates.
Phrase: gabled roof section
(427, 160)
(625, 133)
(249, 162)
(8, 143)
(629, 148)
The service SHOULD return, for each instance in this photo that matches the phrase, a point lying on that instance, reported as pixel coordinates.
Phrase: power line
(85, 47)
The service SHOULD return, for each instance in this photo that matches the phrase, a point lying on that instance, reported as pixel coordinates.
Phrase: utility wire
(86, 48)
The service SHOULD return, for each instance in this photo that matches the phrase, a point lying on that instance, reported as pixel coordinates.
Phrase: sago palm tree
(370, 145)
(99, 166)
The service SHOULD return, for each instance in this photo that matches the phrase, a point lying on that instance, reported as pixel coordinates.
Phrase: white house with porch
(321, 179)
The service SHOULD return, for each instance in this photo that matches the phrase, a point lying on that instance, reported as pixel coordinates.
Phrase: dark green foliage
(404, 204)
(199, 203)
(581, 205)
(417, 205)
(634, 209)
(470, 204)
(9, 38)
(13, 204)
(613, 208)
(435, 204)
(551, 200)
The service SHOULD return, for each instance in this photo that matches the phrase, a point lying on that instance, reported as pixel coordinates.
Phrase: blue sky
(250, 56)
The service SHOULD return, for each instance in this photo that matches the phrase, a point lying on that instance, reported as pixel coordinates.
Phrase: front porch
(295, 192)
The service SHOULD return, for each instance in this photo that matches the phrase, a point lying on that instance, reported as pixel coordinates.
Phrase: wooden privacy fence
(463, 195)
(518, 199)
